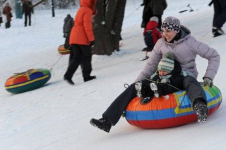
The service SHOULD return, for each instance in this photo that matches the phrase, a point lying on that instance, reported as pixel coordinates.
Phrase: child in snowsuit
(151, 35)
(168, 79)
(68, 24)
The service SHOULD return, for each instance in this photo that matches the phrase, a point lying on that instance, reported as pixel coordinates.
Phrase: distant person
(27, 10)
(157, 7)
(147, 13)
(219, 17)
(168, 72)
(1, 20)
(68, 24)
(7, 12)
(151, 35)
(82, 39)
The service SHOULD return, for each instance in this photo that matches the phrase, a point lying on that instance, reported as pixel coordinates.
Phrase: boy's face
(163, 73)
(168, 34)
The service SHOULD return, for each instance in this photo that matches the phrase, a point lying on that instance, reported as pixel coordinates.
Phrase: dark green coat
(158, 6)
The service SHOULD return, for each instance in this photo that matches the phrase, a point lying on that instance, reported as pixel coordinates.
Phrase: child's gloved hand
(165, 81)
(208, 81)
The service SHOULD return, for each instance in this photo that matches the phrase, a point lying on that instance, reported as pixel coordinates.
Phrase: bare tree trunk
(117, 26)
(107, 25)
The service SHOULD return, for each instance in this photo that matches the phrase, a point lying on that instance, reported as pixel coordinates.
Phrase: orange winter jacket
(82, 31)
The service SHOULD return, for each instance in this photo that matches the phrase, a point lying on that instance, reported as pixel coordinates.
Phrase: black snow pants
(7, 24)
(219, 14)
(194, 89)
(27, 15)
(147, 13)
(115, 110)
(81, 53)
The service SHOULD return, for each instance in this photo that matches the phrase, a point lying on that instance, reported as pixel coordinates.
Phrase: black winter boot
(103, 124)
(89, 78)
(68, 80)
(201, 110)
(217, 31)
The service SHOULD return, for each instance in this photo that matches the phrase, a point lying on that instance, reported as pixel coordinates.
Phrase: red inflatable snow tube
(169, 111)
(62, 50)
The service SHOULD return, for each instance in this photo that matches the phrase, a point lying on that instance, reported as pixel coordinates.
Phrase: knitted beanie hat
(167, 63)
(156, 19)
(172, 24)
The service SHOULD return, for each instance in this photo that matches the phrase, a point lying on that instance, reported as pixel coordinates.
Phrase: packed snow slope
(56, 116)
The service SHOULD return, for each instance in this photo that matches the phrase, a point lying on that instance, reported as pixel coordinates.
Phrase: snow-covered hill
(56, 116)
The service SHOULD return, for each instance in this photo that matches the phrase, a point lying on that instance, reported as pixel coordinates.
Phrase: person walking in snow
(1, 21)
(151, 35)
(219, 17)
(177, 39)
(82, 39)
(68, 24)
(27, 10)
(147, 13)
(157, 7)
(7, 12)
(167, 79)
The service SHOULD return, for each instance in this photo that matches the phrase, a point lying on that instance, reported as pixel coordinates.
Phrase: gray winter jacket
(185, 50)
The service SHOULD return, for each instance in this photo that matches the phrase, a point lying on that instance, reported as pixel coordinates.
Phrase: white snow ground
(56, 116)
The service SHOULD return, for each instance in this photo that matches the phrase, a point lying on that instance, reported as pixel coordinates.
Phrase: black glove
(142, 4)
(146, 90)
(92, 43)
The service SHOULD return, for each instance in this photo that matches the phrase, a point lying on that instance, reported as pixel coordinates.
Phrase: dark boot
(89, 78)
(103, 124)
(217, 31)
(68, 80)
(201, 110)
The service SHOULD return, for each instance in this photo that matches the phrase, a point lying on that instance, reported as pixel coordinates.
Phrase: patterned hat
(172, 24)
(167, 63)
(156, 19)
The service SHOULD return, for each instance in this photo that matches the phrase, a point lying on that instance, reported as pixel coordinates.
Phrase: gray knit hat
(154, 18)
(172, 24)
(167, 63)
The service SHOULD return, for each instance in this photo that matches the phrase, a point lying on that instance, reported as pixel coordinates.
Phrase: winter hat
(172, 24)
(167, 63)
(156, 19)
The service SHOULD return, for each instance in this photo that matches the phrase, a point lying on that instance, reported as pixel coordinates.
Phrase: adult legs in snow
(197, 96)
(80, 52)
(113, 113)
(218, 19)
(27, 15)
